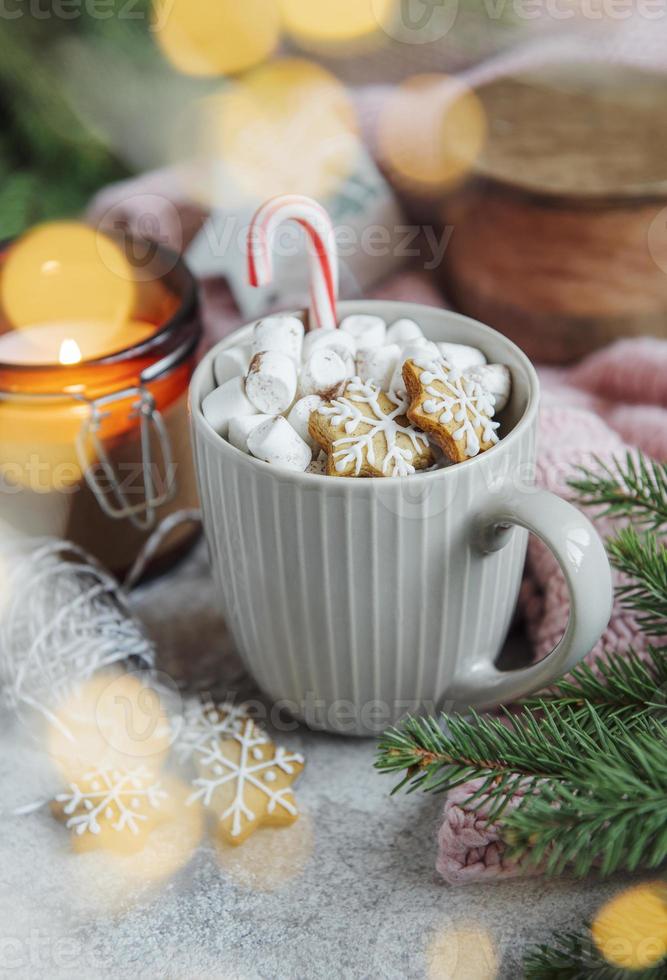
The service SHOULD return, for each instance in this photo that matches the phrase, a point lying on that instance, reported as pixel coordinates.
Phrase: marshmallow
(241, 427)
(367, 331)
(281, 333)
(403, 332)
(323, 374)
(460, 356)
(420, 349)
(319, 465)
(315, 339)
(497, 380)
(275, 441)
(378, 364)
(299, 417)
(343, 343)
(231, 363)
(225, 403)
(271, 380)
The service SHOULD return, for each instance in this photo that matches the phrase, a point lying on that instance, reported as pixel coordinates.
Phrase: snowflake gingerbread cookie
(246, 781)
(113, 808)
(203, 723)
(455, 411)
(365, 433)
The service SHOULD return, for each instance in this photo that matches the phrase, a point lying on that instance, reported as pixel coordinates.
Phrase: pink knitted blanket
(613, 401)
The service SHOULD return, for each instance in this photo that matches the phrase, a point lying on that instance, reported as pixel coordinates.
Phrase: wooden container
(560, 234)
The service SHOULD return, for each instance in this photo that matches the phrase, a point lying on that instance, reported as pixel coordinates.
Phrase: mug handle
(580, 553)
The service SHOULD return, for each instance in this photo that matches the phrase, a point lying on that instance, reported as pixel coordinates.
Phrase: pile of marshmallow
(267, 390)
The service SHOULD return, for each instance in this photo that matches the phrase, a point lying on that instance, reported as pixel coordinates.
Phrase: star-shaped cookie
(365, 433)
(113, 808)
(455, 411)
(246, 781)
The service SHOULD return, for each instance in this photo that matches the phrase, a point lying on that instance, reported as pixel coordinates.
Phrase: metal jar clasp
(111, 487)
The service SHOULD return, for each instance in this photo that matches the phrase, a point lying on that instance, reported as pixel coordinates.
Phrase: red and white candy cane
(323, 256)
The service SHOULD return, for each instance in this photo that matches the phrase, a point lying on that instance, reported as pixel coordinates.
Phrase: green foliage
(593, 790)
(606, 812)
(574, 956)
(623, 686)
(644, 560)
(635, 488)
(50, 160)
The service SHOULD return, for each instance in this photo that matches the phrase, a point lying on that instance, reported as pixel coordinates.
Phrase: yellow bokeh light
(431, 132)
(330, 21)
(173, 841)
(631, 930)
(113, 719)
(270, 858)
(205, 38)
(118, 870)
(462, 952)
(288, 127)
(64, 272)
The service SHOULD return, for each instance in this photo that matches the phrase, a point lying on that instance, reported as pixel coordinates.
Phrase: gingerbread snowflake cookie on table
(246, 781)
(203, 723)
(365, 433)
(455, 411)
(112, 807)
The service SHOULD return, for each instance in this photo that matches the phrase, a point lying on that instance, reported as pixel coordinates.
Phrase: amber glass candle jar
(94, 443)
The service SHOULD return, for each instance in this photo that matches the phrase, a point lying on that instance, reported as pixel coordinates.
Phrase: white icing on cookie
(204, 722)
(463, 400)
(119, 796)
(497, 380)
(244, 774)
(398, 461)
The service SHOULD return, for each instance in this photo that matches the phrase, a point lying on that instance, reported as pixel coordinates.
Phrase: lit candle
(81, 455)
(53, 343)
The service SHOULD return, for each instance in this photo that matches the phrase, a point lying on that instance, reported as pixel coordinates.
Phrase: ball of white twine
(62, 619)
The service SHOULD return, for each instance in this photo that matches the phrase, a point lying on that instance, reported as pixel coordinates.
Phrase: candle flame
(69, 352)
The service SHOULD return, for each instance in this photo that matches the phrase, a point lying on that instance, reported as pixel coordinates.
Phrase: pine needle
(623, 686)
(635, 488)
(574, 956)
(644, 560)
(607, 815)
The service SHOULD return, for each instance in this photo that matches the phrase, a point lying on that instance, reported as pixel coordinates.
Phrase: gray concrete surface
(348, 892)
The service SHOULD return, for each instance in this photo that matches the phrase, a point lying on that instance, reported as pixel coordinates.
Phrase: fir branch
(594, 794)
(607, 815)
(644, 560)
(623, 687)
(573, 956)
(635, 488)
(527, 749)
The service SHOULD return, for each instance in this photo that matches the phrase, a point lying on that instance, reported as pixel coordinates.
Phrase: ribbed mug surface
(353, 601)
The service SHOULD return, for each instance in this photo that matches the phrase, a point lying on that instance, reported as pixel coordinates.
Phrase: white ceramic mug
(353, 601)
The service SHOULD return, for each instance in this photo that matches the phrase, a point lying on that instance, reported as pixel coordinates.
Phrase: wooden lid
(587, 134)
